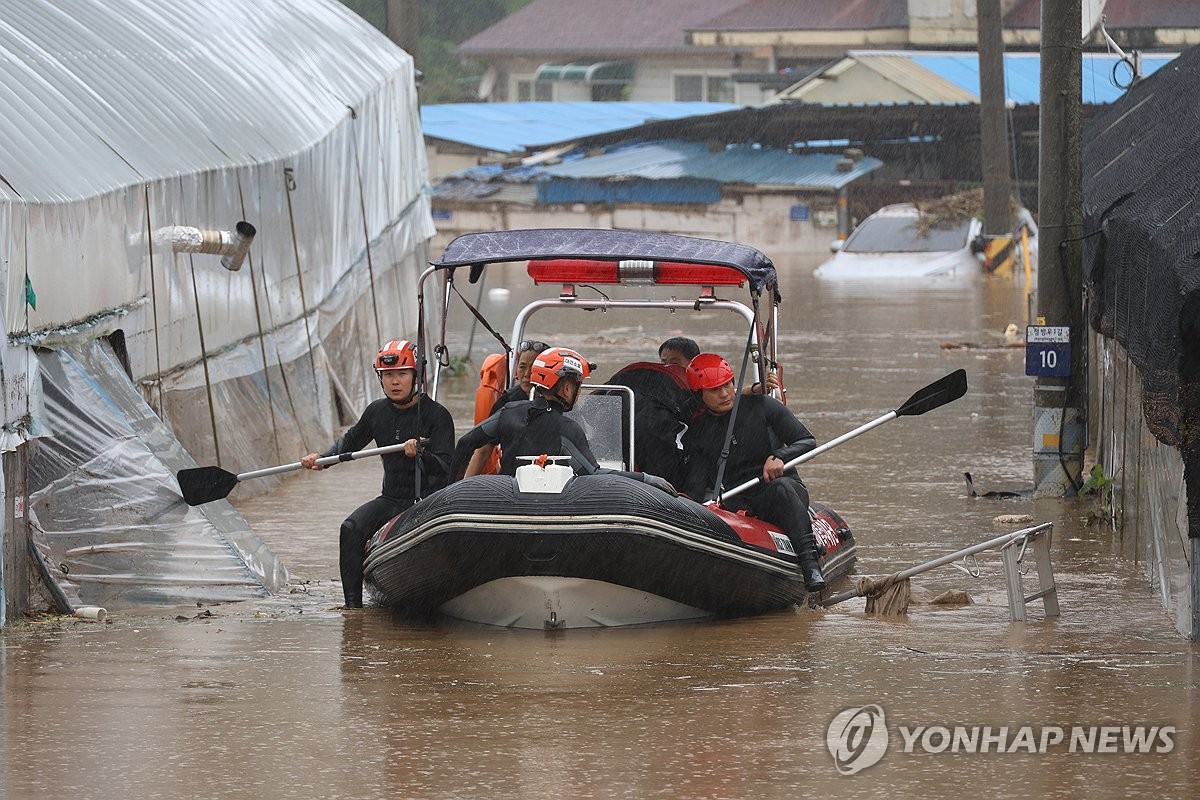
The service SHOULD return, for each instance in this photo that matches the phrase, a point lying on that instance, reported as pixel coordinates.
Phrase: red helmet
(708, 371)
(558, 362)
(396, 354)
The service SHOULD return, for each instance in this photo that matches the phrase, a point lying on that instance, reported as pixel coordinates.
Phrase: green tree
(458, 20)
(444, 24)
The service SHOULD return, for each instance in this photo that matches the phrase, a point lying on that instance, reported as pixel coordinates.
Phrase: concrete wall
(760, 220)
(1149, 510)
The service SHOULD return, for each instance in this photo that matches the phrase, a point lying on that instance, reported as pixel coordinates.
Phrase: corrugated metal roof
(101, 95)
(815, 15)
(745, 165)
(1118, 14)
(513, 127)
(596, 28)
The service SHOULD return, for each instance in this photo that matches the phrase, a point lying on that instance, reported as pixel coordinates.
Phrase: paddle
(204, 484)
(939, 393)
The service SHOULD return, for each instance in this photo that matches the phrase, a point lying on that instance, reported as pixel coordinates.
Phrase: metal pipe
(243, 235)
(233, 245)
(998, 541)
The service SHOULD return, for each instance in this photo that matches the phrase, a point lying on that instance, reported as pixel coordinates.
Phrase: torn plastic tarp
(107, 520)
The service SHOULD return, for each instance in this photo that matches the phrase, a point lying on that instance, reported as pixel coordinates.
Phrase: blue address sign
(1047, 351)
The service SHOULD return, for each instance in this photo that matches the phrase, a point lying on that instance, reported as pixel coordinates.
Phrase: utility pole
(402, 25)
(993, 122)
(1060, 391)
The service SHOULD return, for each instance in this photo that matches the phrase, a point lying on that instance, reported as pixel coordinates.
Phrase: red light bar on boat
(579, 270)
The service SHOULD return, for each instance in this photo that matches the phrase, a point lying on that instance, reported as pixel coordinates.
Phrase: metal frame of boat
(548, 549)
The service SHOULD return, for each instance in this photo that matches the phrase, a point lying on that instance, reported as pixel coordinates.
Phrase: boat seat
(663, 405)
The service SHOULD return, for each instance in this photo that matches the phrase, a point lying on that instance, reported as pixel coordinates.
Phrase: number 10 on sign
(1047, 351)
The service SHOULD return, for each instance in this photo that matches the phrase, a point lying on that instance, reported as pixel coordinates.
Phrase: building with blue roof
(463, 135)
(914, 76)
(784, 201)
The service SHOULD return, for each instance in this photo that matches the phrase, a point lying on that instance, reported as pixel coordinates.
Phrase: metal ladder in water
(1013, 547)
(1034, 540)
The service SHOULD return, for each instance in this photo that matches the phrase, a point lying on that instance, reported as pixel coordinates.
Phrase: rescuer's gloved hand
(662, 484)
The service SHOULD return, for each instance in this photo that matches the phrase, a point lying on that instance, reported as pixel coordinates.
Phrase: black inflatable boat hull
(605, 551)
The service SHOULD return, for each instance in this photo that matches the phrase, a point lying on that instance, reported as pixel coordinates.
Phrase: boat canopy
(607, 245)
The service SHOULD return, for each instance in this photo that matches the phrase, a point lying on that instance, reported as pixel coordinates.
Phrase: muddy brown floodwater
(290, 698)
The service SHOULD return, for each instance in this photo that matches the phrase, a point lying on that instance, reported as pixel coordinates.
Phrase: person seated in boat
(680, 350)
(527, 351)
(766, 435)
(540, 426)
(663, 406)
(405, 416)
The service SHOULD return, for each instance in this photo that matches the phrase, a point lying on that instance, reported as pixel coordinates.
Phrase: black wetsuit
(764, 427)
(514, 394)
(536, 427)
(386, 424)
(527, 428)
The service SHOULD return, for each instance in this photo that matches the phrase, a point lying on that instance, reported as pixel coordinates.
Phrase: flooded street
(290, 698)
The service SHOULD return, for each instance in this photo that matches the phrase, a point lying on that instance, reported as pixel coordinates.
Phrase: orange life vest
(492, 376)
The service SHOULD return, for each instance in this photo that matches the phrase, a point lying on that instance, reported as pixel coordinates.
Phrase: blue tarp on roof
(640, 191)
(513, 127)
(759, 166)
(1022, 72)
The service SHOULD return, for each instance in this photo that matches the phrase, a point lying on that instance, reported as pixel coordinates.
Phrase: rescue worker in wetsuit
(527, 351)
(765, 436)
(404, 416)
(540, 426)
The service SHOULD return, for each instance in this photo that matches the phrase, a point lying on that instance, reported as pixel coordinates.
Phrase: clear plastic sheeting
(120, 122)
(107, 520)
(126, 118)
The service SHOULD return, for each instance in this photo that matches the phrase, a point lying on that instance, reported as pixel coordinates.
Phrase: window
(539, 91)
(901, 234)
(704, 88)
(720, 89)
(689, 88)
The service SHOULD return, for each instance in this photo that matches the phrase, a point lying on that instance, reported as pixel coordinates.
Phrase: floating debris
(952, 597)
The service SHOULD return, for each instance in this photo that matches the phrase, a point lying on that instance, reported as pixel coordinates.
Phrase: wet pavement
(289, 697)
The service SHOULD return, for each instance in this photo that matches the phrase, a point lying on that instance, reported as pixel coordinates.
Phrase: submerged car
(893, 243)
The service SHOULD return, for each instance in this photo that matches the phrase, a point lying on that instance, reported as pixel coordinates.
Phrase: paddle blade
(936, 394)
(205, 484)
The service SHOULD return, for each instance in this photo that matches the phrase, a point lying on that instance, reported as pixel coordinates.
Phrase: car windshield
(899, 234)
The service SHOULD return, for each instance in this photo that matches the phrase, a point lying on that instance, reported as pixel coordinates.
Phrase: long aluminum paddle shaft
(816, 451)
(204, 484)
(324, 462)
(942, 391)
